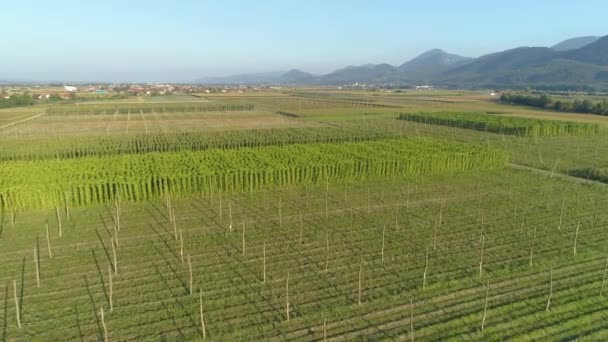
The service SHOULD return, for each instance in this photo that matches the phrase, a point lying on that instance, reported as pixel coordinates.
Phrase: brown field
(66, 125)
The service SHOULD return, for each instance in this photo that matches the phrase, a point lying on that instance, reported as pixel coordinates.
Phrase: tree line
(16, 100)
(547, 102)
(25, 99)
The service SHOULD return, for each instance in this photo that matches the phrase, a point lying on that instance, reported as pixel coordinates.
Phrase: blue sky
(184, 40)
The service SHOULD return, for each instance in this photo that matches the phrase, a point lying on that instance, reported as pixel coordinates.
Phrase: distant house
(70, 89)
(136, 91)
(424, 87)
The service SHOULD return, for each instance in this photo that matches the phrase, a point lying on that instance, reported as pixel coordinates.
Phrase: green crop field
(303, 214)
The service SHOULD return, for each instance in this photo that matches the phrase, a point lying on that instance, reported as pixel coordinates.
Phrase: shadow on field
(103, 284)
(105, 225)
(173, 270)
(105, 250)
(78, 322)
(99, 329)
(596, 174)
(173, 295)
(153, 214)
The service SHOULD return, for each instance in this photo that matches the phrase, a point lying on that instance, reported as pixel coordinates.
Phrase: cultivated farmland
(304, 215)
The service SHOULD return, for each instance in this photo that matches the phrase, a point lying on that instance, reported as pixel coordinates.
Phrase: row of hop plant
(97, 180)
(109, 145)
(505, 124)
(148, 108)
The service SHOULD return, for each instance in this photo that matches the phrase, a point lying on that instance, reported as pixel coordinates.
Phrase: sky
(184, 40)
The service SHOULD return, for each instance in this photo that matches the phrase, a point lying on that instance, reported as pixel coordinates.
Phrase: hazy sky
(182, 40)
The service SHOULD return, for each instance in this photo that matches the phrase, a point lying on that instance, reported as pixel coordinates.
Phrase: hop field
(312, 214)
(85, 181)
(505, 125)
(70, 147)
(386, 259)
(149, 108)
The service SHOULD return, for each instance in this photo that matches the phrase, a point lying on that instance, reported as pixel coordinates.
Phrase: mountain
(430, 63)
(498, 65)
(578, 63)
(295, 76)
(369, 73)
(535, 66)
(594, 53)
(574, 43)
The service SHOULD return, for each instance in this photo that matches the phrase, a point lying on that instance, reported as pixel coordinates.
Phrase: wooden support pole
(550, 290)
(174, 224)
(37, 264)
(111, 288)
(604, 278)
(114, 256)
(301, 229)
(67, 206)
(264, 263)
(287, 297)
(59, 221)
(190, 269)
(204, 331)
(243, 239)
(220, 196)
(360, 282)
(326, 251)
(230, 216)
(483, 240)
(578, 225)
(117, 207)
(16, 304)
(426, 268)
(181, 245)
(411, 320)
(485, 307)
(103, 324)
(327, 200)
(383, 233)
(532, 248)
(48, 240)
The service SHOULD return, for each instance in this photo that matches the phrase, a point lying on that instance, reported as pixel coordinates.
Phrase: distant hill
(431, 63)
(595, 53)
(535, 66)
(369, 73)
(574, 43)
(495, 66)
(295, 76)
(578, 63)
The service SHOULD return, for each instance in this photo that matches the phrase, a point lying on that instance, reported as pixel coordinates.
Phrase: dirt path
(555, 174)
(21, 121)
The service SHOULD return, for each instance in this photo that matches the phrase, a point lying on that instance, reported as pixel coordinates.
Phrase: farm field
(303, 214)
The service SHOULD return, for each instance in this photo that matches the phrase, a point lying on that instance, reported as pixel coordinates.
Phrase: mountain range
(578, 63)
